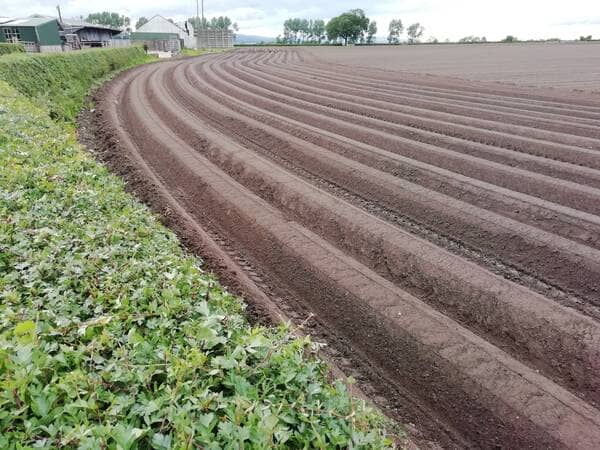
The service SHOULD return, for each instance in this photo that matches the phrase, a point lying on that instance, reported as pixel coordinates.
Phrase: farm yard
(442, 236)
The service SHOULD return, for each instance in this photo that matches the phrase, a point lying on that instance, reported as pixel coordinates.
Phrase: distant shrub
(509, 39)
(5, 48)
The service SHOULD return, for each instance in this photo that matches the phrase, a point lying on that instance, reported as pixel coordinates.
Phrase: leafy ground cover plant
(112, 337)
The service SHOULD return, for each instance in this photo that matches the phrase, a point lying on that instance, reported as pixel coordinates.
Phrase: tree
(141, 22)
(109, 19)
(508, 39)
(216, 23)
(585, 38)
(414, 32)
(371, 32)
(220, 23)
(350, 26)
(472, 40)
(318, 30)
(395, 30)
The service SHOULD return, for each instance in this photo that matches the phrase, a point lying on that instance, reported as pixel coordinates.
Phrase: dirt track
(446, 237)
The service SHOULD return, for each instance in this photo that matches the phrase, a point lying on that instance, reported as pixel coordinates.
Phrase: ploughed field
(565, 65)
(445, 235)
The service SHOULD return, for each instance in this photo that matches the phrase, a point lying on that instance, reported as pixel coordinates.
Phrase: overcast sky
(442, 19)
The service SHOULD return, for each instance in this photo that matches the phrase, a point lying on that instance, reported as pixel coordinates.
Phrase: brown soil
(446, 240)
(564, 66)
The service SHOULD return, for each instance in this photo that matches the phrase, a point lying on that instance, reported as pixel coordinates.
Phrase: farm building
(36, 33)
(158, 24)
(79, 34)
(158, 42)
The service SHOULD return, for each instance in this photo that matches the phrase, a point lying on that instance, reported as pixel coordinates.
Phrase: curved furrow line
(283, 191)
(310, 197)
(477, 91)
(492, 141)
(408, 90)
(577, 225)
(520, 245)
(374, 243)
(560, 191)
(218, 193)
(557, 121)
(583, 135)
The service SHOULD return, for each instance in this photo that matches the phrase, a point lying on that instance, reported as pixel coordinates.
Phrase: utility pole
(199, 24)
(59, 14)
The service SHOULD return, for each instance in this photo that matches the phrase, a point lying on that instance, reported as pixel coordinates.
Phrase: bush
(60, 81)
(5, 48)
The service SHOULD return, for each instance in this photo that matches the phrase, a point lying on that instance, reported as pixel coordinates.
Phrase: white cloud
(441, 18)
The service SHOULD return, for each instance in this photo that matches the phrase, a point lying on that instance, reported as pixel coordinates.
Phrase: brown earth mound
(445, 238)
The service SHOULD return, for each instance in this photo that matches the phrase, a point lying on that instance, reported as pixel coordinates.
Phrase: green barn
(36, 33)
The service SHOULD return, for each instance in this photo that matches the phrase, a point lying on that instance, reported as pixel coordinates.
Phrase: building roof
(159, 17)
(6, 19)
(73, 25)
(31, 21)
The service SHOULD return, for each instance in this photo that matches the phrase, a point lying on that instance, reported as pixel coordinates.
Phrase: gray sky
(442, 18)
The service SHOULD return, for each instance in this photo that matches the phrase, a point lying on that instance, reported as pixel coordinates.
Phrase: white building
(158, 24)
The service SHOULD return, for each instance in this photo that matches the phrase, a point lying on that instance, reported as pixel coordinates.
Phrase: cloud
(588, 21)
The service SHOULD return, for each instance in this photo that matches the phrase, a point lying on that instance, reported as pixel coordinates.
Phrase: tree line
(216, 23)
(351, 27)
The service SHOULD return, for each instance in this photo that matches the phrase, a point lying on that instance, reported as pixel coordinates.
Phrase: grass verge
(59, 82)
(112, 337)
(6, 48)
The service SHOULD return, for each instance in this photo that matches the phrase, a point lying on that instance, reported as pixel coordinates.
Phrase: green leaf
(25, 331)
(126, 436)
(161, 441)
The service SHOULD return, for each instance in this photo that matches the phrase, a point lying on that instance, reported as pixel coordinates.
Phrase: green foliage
(350, 26)
(60, 81)
(140, 22)
(509, 39)
(6, 48)
(110, 335)
(110, 19)
(371, 32)
(216, 23)
(395, 30)
(472, 40)
(585, 38)
(303, 31)
(414, 32)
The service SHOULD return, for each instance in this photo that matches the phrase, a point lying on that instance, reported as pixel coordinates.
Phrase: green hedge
(5, 48)
(60, 81)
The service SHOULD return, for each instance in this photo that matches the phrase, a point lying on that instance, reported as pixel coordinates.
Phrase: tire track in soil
(311, 243)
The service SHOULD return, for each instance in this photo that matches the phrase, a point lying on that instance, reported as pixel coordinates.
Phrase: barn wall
(49, 33)
(160, 25)
(27, 33)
